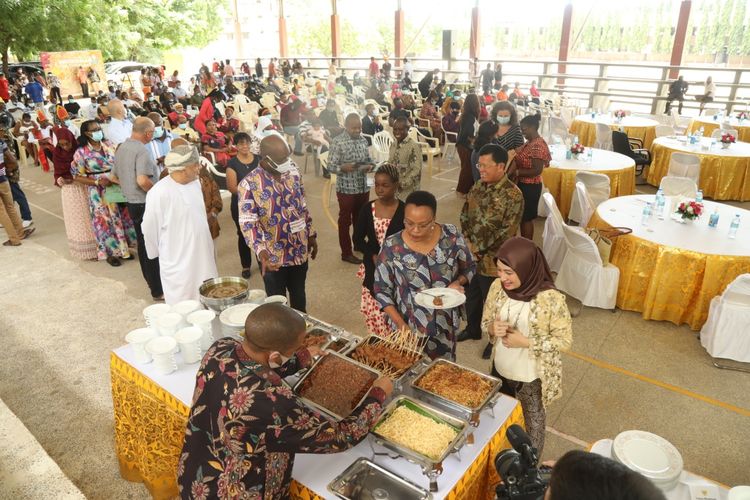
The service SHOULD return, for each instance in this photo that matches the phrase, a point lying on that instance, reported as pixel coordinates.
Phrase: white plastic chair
(430, 146)
(557, 127)
(241, 101)
(664, 130)
(603, 137)
(678, 124)
(726, 333)
(554, 247)
(382, 142)
(582, 274)
(678, 186)
(208, 165)
(685, 165)
(449, 148)
(584, 204)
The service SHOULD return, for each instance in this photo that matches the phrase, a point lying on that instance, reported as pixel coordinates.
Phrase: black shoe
(465, 335)
(113, 261)
(352, 259)
(487, 351)
(246, 273)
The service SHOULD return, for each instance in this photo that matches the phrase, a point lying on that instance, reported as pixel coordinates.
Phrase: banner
(71, 67)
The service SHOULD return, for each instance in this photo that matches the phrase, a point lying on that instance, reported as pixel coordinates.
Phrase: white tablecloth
(316, 471)
(601, 160)
(603, 447)
(628, 121)
(695, 236)
(704, 147)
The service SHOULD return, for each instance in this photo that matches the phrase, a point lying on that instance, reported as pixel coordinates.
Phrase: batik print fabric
(375, 318)
(401, 273)
(113, 227)
(245, 426)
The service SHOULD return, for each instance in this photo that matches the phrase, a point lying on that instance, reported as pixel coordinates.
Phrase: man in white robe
(175, 228)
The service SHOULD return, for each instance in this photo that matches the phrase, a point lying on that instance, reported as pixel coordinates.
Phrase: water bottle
(734, 226)
(589, 156)
(713, 221)
(646, 214)
(575, 139)
(700, 132)
(699, 196)
(661, 201)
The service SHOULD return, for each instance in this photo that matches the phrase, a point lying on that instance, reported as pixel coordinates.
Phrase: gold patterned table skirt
(150, 426)
(586, 132)
(561, 183)
(743, 131)
(721, 177)
(667, 283)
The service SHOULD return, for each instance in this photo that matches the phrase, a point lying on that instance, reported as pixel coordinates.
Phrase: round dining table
(710, 124)
(584, 126)
(560, 177)
(724, 173)
(671, 270)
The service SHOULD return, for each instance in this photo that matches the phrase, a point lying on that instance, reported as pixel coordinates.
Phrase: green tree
(314, 38)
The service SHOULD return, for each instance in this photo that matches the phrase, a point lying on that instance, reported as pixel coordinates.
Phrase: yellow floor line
(679, 390)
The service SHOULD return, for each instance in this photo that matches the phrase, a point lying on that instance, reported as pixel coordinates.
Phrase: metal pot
(219, 305)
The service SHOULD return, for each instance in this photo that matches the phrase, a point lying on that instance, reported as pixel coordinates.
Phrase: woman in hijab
(528, 321)
(75, 200)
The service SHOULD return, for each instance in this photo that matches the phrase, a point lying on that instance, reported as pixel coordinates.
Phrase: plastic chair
(726, 333)
(221, 177)
(678, 124)
(382, 142)
(664, 131)
(678, 186)
(430, 146)
(449, 148)
(554, 247)
(557, 127)
(603, 137)
(582, 274)
(685, 165)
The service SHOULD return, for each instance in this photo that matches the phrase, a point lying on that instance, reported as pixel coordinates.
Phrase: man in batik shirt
(491, 215)
(245, 426)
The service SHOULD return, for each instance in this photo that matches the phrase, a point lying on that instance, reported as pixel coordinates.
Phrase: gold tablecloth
(721, 177)
(667, 283)
(743, 131)
(586, 132)
(150, 427)
(561, 183)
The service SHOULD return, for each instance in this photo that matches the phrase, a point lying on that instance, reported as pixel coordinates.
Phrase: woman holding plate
(425, 255)
(528, 321)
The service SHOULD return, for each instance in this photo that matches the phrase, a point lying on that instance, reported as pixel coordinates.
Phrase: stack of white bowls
(186, 307)
(189, 340)
(281, 299)
(650, 455)
(153, 312)
(233, 319)
(138, 339)
(169, 324)
(203, 319)
(256, 296)
(162, 350)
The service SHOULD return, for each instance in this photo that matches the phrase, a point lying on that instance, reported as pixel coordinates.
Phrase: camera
(518, 469)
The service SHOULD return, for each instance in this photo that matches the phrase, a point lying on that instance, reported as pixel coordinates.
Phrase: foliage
(314, 37)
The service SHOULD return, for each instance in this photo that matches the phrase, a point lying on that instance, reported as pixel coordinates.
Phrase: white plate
(451, 298)
(235, 316)
(649, 454)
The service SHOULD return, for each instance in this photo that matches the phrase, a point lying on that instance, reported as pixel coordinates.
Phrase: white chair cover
(603, 137)
(382, 142)
(598, 188)
(678, 186)
(664, 130)
(553, 237)
(726, 333)
(557, 127)
(582, 274)
(685, 165)
(541, 208)
(585, 204)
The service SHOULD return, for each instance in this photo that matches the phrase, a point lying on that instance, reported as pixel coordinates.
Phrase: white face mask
(282, 168)
(503, 120)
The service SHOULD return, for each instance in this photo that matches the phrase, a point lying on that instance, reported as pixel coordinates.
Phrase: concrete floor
(613, 379)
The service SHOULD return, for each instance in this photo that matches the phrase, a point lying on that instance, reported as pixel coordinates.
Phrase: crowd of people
(133, 181)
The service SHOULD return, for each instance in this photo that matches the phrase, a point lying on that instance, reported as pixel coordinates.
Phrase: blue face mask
(67, 123)
(183, 126)
(503, 120)
(97, 135)
(158, 132)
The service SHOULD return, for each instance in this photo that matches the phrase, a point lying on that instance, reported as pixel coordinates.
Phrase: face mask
(97, 135)
(67, 123)
(284, 167)
(183, 126)
(158, 132)
(151, 98)
(503, 120)
(71, 101)
(373, 113)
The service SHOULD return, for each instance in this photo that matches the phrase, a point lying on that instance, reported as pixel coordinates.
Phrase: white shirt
(179, 92)
(408, 69)
(91, 113)
(710, 89)
(515, 363)
(119, 130)
(175, 230)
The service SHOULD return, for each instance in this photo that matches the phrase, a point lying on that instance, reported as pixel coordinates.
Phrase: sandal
(113, 261)
(11, 244)
(28, 232)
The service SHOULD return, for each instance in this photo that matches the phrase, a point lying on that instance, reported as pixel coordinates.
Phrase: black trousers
(246, 255)
(85, 89)
(149, 267)
(288, 279)
(476, 294)
(55, 92)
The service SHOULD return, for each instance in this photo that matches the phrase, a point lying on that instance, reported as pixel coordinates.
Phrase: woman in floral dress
(112, 224)
(424, 255)
(378, 219)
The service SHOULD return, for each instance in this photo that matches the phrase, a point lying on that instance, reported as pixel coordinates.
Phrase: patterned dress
(77, 217)
(113, 227)
(401, 273)
(375, 319)
(245, 427)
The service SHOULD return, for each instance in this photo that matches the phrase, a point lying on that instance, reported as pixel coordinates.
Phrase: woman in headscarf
(75, 201)
(528, 321)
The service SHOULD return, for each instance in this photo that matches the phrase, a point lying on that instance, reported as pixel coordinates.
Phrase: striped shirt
(345, 150)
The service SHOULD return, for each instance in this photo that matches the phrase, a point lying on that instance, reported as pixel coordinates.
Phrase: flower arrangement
(742, 116)
(620, 114)
(690, 210)
(727, 139)
(577, 149)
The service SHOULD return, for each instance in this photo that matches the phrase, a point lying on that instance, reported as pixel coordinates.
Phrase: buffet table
(724, 173)
(709, 125)
(584, 126)
(560, 177)
(151, 412)
(668, 270)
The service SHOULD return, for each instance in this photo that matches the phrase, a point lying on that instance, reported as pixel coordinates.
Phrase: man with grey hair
(175, 228)
(120, 127)
(137, 173)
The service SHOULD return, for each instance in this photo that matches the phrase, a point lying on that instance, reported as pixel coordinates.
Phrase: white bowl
(256, 296)
(152, 312)
(276, 298)
(190, 343)
(160, 346)
(235, 316)
(137, 339)
(202, 319)
(739, 493)
(186, 307)
(169, 323)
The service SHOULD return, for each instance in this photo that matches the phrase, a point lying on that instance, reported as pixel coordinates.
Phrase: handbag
(113, 194)
(603, 239)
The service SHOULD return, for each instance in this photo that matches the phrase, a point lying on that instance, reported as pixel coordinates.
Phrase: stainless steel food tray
(366, 479)
(397, 382)
(472, 413)
(318, 407)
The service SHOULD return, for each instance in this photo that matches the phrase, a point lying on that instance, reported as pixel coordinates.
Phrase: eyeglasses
(412, 225)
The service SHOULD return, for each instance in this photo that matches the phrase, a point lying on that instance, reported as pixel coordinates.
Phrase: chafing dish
(364, 480)
(468, 412)
(219, 304)
(397, 383)
(432, 468)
